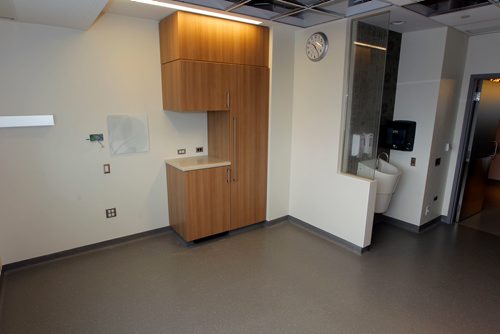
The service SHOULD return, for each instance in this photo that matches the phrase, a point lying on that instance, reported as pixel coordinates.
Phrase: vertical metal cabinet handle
(235, 165)
(228, 100)
(228, 178)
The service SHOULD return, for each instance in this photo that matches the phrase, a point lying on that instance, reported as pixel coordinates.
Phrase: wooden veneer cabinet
(220, 66)
(197, 37)
(195, 86)
(198, 201)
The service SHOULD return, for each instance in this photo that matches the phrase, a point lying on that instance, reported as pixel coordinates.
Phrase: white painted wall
(430, 70)
(449, 95)
(417, 94)
(482, 58)
(339, 204)
(280, 121)
(53, 193)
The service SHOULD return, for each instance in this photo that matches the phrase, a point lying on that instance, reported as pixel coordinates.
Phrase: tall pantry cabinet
(220, 66)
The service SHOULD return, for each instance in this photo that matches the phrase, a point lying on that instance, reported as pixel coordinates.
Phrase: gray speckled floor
(278, 279)
(488, 220)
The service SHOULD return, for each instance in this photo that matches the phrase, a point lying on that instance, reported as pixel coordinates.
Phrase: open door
(480, 180)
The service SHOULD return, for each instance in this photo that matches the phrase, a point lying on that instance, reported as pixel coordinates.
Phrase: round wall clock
(317, 46)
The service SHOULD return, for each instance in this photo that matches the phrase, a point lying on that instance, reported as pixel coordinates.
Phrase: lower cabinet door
(199, 201)
(208, 202)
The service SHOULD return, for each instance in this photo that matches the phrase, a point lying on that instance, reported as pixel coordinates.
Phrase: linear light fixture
(198, 11)
(371, 46)
(25, 121)
(495, 80)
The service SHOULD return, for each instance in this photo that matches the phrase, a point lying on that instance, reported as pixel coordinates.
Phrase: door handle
(235, 138)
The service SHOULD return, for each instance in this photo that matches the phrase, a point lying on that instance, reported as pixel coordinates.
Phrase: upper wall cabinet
(196, 37)
(195, 85)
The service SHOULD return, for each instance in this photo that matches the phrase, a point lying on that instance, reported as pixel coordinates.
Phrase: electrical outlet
(413, 162)
(107, 168)
(110, 213)
(199, 149)
(96, 137)
(427, 209)
(181, 151)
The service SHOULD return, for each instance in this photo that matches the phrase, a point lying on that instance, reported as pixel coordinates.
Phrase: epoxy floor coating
(277, 279)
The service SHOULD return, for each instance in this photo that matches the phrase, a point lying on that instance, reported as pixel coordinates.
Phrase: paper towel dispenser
(400, 135)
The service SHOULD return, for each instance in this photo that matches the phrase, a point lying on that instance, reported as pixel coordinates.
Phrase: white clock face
(316, 46)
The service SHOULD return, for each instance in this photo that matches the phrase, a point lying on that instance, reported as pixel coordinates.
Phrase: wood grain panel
(176, 187)
(208, 202)
(218, 134)
(206, 38)
(169, 39)
(198, 201)
(249, 124)
(261, 98)
(195, 86)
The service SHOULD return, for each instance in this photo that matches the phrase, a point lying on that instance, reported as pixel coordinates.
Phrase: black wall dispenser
(400, 135)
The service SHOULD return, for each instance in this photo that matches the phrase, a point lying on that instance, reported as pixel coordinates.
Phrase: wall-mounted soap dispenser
(400, 135)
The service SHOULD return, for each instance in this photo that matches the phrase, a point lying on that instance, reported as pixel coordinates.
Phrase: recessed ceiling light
(398, 23)
(198, 11)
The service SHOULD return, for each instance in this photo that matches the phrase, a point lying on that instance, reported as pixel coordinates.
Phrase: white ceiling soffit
(480, 20)
(76, 14)
(136, 9)
(412, 21)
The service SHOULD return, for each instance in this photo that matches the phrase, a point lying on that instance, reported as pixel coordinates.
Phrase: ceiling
(80, 14)
(76, 14)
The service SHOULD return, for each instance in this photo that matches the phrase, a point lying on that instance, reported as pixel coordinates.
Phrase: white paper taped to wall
(128, 133)
(362, 144)
(356, 145)
(368, 144)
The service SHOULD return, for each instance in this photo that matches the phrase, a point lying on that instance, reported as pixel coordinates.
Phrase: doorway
(477, 197)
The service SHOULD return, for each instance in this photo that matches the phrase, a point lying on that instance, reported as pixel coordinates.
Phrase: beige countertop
(198, 162)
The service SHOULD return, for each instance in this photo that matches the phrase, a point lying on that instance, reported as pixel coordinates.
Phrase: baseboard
(82, 249)
(79, 250)
(407, 226)
(277, 220)
(330, 237)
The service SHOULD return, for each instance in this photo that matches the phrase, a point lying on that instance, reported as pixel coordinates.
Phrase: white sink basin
(387, 177)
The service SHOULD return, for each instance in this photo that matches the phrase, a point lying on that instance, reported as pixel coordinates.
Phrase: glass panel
(368, 49)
